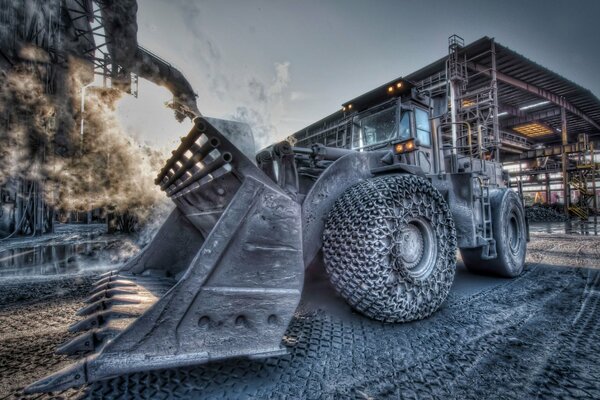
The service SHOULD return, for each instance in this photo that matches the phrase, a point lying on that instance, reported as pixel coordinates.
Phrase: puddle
(56, 258)
(71, 249)
(589, 227)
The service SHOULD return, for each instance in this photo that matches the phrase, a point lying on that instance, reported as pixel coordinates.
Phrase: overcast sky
(285, 64)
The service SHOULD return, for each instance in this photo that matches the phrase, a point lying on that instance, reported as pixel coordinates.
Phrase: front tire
(389, 248)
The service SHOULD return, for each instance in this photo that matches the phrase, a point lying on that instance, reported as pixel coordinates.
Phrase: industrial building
(543, 127)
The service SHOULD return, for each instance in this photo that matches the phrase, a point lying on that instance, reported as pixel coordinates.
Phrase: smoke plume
(101, 167)
(266, 100)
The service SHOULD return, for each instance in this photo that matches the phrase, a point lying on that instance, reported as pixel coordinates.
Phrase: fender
(340, 175)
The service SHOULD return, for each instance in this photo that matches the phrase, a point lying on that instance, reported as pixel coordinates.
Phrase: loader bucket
(221, 278)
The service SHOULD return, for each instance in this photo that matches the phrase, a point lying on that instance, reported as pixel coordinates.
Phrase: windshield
(377, 128)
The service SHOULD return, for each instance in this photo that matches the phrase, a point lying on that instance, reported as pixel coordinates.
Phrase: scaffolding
(569, 170)
(471, 126)
(582, 180)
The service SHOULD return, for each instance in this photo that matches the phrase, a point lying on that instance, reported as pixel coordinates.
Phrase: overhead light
(502, 114)
(390, 89)
(399, 85)
(541, 103)
(349, 106)
(533, 129)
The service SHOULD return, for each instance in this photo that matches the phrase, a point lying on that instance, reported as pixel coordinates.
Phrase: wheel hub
(416, 248)
(514, 234)
(412, 245)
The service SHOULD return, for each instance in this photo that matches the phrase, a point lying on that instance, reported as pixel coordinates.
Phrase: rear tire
(389, 248)
(510, 232)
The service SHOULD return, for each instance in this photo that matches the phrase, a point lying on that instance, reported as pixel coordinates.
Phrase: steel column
(453, 116)
(565, 173)
(593, 160)
(548, 193)
(495, 124)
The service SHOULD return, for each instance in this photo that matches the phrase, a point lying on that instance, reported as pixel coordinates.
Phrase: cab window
(423, 127)
(405, 125)
(377, 128)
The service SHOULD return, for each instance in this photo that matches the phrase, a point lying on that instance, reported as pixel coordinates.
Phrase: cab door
(424, 153)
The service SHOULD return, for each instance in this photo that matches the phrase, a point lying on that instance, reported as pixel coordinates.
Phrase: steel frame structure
(482, 91)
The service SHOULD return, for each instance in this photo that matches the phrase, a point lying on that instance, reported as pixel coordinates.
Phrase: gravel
(532, 337)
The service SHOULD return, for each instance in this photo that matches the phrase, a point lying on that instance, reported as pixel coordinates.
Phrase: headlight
(405, 147)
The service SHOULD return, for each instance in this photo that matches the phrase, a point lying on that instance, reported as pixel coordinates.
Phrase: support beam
(544, 94)
(554, 150)
(514, 111)
(593, 160)
(548, 192)
(565, 172)
(495, 124)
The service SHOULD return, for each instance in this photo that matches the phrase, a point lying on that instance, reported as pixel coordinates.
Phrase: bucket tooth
(101, 318)
(83, 343)
(109, 293)
(91, 340)
(105, 279)
(112, 285)
(104, 304)
(94, 321)
(109, 273)
(71, 376)
(110, 278)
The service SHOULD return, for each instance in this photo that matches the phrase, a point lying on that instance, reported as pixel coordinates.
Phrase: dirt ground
(537, 336)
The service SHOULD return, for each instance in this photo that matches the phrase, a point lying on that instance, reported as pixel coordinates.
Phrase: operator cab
(402, 123)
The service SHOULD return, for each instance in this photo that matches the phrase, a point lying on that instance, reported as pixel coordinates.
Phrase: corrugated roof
(519, 67)
(515, 65)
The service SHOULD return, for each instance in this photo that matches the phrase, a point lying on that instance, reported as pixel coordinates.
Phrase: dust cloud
(42, 140)
(267, 100)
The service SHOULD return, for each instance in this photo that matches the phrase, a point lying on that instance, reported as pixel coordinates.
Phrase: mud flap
(222, 277)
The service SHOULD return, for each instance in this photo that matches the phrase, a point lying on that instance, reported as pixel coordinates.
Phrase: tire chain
(361, 256)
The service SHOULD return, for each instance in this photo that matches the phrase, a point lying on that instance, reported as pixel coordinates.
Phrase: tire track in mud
(547, 328)
(535, 257)
(574, 369)
(468, 362)
(20, 293)
(455, 300)
(530, 337)
(32, 328)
